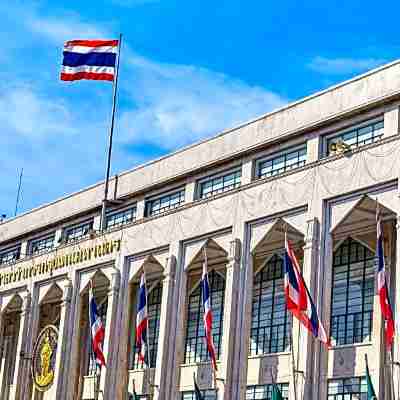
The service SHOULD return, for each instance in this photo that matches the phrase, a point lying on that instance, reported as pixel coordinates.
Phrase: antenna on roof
(18, 192)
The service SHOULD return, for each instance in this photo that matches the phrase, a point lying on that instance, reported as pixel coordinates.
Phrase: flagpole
(110, 139)
(95, 385)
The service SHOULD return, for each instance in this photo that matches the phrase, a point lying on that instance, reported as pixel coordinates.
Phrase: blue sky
(189, 69)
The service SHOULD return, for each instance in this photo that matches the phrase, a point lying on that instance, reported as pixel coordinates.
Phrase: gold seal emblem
(44, 357)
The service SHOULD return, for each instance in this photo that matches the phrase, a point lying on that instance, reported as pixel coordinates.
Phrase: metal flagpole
(18, 192)
(110, 139)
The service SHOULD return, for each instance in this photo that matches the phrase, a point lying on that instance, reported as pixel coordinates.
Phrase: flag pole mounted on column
(110, 139)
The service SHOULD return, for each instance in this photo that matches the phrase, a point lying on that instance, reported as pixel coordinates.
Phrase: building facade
(317, 168)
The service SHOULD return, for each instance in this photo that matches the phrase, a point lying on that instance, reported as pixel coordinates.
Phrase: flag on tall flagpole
(142, 322)
(298, 298)
(89, 59)
(208, 318)
(370, 387)
(386, 308)
(276, 393)
(97, 330)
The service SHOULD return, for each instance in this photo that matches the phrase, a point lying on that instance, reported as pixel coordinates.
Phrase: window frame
(205, 392)
(76, 226)
(355, 127)
(362, 383)
(276, 155)
(209, 178)
(9, 250)
(283, 387)
(149, 200)
(39, 239)
(113, 213)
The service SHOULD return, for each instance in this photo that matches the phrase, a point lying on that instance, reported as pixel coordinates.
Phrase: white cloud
(342, 66)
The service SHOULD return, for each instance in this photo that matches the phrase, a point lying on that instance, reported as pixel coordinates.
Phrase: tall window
(368, 132)
(352, 293)
(282, 162)
(195, 346)
(207, 394)
(264, 392)
(347, 389)
(42, 245)
(218, 184)
(121, 217)
(154, 311)
(164, 203)
(271, 322)
(10, 255)
(77, 232)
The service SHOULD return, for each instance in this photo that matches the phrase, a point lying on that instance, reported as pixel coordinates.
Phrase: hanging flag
(133, 396)
(370, 387)
(197, 391)
(298, 298)
(89, 59)
(142, 322)
(276, 393)
(97, 330)
(386, 308)
(208, 319)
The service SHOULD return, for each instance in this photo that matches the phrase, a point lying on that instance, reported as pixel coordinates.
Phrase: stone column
(58, 390)
(230, 319)
(111, 338)
(21, 364)
(165, 333)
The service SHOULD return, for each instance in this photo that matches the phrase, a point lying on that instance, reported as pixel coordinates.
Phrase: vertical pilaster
(165, 333)
(230, 319)
(19, 381)
(106, 378)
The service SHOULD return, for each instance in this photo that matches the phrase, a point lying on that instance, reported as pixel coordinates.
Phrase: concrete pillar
(140, 208)
(111, 338)
(58, 390)
(21, 364)
(230, 320)
(247, 171)
(165, 333)
(190, 192)
(313, 148)
(391, 120)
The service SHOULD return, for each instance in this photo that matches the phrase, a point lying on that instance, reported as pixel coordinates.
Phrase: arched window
(271, 325)
(352, 293)
(195, 346)
(154, 311)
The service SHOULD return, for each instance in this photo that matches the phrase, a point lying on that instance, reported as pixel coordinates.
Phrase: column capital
(67, 292)
(311, 236)
(26, 303)
(234, 251)
(115, 282)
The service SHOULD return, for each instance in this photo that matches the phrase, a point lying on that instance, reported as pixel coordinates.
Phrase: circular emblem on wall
(44, 358)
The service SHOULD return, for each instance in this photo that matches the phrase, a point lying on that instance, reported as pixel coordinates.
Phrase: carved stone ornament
(44, 358)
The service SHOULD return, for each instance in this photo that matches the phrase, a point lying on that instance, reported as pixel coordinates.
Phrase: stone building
(317, 167)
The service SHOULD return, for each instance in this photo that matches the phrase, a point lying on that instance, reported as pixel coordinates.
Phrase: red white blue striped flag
(298, 298)
(208, 318)
(89, 59)
(142, 322)
(97, 330)
(386, 308)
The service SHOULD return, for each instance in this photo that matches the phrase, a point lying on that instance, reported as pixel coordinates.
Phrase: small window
(347, 389)
(78, 232)
(282, 162)
(366, 133)
(207, 394)
(264, 392)
(10, 255)
(211, 186)
(161, 204)
(41, 245)
(119, 218)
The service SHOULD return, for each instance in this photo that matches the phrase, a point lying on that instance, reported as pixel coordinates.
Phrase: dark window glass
(154, 311)
(220, 184)
(264, 392)
(352, 293)
(358, 136)
(9, 256)
(271, 326)
(120, 218)
(78, 232)
(347, 389)
(195, 345)
(208, 395)
(282, 162)
(42, 245)
(165, 203)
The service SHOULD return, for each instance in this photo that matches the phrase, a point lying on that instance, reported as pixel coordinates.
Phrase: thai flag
(298, 298)
(89, 59)
(97, 330)
(208, 319)
(383, 291)
(142, 322)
